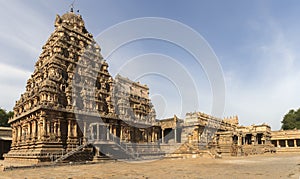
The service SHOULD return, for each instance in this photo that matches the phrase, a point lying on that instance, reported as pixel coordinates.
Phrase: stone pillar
(153, 136)
(277, 141)
(286, 143)
(48, 128)
(295, 143)
(121, 133)
(58, 129)
(239, 140)
(162, 136)
(107, 133)
(84, 131)
(98, 132)
(91, 132)
(40, 130)
(253, 139)
(23, 133)
(55, 128)
(115, 130)
(69, 129)
(19, 134)
(75, 129)
(44, 127)
(29, 131)
(34, 129)
(110, 129)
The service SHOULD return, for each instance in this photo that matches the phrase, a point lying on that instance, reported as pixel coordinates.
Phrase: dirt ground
(259, 166)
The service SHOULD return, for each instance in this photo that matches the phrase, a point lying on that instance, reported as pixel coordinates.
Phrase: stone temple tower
(69, 84)
(72, 103)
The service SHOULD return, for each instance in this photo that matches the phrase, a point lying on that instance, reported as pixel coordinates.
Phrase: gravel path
(260, 166)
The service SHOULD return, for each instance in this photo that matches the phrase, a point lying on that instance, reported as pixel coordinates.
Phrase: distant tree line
(4, 116)
(291, 120)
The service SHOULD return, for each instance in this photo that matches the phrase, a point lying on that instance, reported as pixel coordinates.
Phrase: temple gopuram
(74, 110)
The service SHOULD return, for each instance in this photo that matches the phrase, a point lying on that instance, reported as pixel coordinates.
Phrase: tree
(4, 117)
(291, 120)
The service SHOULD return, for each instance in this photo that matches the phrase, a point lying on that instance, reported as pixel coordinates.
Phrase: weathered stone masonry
(69, 98)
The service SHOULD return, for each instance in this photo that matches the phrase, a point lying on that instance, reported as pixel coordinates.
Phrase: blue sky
(256, 43)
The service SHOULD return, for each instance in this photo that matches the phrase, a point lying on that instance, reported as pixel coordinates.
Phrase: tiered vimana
(69, 102)
(70, 83)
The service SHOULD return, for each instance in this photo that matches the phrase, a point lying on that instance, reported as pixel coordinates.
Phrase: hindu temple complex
(74, 110)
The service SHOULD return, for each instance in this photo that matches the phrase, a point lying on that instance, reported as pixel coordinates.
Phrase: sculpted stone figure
(57, 21)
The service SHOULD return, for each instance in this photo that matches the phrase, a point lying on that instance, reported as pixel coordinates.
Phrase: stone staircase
(113, 149)
(116, 149)
(78, 154)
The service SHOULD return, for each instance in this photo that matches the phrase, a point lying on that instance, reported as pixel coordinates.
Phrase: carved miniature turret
(234, 120)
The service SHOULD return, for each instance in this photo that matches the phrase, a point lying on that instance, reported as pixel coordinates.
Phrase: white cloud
(274, 89)
(12, 83)
(24, 29)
